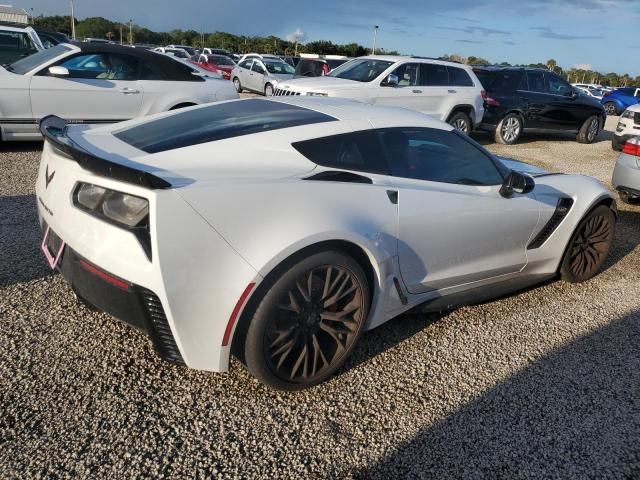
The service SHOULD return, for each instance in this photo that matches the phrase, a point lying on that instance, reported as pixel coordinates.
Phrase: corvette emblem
(47, 177)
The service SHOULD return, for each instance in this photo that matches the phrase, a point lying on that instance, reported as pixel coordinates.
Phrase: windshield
(27, 64)
(221, 60)
(177, 53)
(361, 70)
(279, 68)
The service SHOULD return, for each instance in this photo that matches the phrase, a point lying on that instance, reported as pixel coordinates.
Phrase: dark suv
(520, 98)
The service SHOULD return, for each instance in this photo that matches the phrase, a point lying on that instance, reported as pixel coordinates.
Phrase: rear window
(217, 122)
(500, 80)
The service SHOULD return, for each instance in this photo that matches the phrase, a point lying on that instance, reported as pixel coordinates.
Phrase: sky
(598, 34)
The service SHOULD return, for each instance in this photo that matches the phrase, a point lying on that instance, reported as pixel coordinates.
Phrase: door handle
(452, 91)
(128, 91)
(416, 91)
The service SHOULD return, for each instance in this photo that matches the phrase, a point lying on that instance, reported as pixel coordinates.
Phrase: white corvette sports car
(282, 229)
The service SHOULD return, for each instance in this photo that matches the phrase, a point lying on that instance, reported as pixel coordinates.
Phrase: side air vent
(563, 207)
(159, 329)
(339, 176)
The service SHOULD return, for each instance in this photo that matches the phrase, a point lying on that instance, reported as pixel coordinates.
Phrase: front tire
(461, 122)
(589, 130)
(589, 245)
(236, 83)
(308, 321)
(268, 90)
(611, 109)
(509, 129)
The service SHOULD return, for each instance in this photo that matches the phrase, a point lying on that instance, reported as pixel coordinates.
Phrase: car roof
(502, 68)
(409, 58)
(16, 28)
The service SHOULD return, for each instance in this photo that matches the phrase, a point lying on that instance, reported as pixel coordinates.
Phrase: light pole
(375, 35)
(130, 31)
(73, 23)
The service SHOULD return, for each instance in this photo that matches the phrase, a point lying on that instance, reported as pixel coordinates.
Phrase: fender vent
(159, 329)
(563, 207)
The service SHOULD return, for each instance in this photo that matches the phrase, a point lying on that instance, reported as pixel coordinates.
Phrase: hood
(318, 83)
(523, 167)
(281, 77)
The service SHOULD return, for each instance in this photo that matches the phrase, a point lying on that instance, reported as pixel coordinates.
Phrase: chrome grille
(280, 92)
(159, 329)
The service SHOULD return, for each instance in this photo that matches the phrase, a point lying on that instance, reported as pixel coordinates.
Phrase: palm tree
(552, 64)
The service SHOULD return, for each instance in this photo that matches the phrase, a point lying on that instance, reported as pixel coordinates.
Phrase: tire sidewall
(463, 116)
(277, 286)
(237, 84)
(268, 87)
(612, 106)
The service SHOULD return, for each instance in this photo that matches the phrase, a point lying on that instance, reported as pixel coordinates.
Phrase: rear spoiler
(54, 128)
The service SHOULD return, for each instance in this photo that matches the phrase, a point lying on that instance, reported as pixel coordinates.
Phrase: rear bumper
(132, 304)
(626, 175)
(618, 141)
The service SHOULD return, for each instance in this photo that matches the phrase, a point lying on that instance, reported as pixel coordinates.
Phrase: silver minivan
(260, 75)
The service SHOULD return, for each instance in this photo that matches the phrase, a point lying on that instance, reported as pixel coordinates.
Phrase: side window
(458, 77)
(509, 81)
(438, 156)
(151, 71)
(407, 74)
(247, 63)
(257, 67)
(536, 82)
(557, 86)
(358, 151)
(99, 66)
(432, 75)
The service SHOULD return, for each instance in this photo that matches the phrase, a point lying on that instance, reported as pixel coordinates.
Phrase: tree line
(99, 27)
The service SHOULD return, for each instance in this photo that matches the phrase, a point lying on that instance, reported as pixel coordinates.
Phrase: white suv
(448, 91)
(628, 126)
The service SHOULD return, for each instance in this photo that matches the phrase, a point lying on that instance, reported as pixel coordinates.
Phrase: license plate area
(52, 247)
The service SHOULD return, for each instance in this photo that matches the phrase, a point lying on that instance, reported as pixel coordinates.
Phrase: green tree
(95, 27)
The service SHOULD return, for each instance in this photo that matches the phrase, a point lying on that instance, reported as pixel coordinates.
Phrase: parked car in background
(519, 98)
(618, 100)
(349, 216)
(260, 75)
(50, 38)
(590, 92)
(259, 56)
(217, 51)
(291, 60)
(318, 66)
(445, 90)
(190, 50)
(176, 52)
(98, 83)
(626, 173)
(17, 42)
(215, 63)
(628, 127)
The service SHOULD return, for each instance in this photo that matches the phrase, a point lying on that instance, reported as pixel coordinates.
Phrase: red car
(215, 63)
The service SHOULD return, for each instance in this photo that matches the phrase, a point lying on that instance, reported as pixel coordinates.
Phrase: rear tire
(236, 83)
(309, 320)
(461, 122)
(509, 129)
(611, 108)
(589, 245)
(628, 199)
(589, 130)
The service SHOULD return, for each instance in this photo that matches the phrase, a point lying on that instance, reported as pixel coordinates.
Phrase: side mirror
(390, 81)
(517, 182)
(58, 71)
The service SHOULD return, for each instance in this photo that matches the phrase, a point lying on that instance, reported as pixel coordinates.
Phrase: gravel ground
(543, 384)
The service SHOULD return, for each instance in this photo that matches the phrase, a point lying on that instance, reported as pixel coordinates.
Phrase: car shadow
(531, 136)
(20, 237)
(572, 413)
(17, 147)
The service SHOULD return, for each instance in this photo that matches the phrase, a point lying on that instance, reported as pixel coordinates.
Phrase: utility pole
(130, 32)
(120, 34)
(73, 23)
(375, 36)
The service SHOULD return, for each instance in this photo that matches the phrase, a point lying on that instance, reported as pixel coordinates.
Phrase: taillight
(632, 147)
(489, 100)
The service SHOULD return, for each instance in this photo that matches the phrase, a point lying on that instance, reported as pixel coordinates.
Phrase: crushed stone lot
(541, 384)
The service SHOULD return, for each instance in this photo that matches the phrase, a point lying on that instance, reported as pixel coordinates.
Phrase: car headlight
(118, 208)
(628, 114)
(317, 94)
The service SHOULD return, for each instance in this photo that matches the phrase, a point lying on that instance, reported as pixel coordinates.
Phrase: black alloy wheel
(308, 322)
(589, 245)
